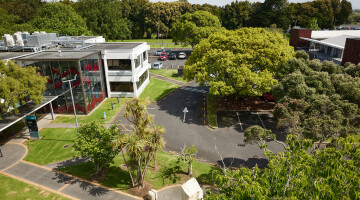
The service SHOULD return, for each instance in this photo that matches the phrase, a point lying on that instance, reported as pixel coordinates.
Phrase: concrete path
(47, 178)
(173, 81)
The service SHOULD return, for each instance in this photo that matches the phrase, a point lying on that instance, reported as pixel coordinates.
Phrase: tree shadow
(171, 173)
(70, 162)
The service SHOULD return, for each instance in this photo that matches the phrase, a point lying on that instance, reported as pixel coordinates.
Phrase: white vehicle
(158, 52)
(182, 55)
(157, 65)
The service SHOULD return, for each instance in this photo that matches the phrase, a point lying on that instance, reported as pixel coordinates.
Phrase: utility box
(153, 195)
(191, 190)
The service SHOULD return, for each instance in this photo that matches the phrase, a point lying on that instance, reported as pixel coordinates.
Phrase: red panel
(65, 74)
(74, 71)
(55, 71)
(58, 84)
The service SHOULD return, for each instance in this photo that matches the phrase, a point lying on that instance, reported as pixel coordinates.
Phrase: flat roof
(334, 33)
(54, 55)
(323, 43)
(9, 119)
(9, 55)
(116, 45)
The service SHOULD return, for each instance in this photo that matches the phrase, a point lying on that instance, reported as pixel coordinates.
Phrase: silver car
(182, 55)
(157, 65)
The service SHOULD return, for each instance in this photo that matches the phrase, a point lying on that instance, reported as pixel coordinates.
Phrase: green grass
(168, 73)
(171, 171)
(51, 146)
(157, 89)
(211, 110)
(97, 115)
(152, 41)
(12, 189)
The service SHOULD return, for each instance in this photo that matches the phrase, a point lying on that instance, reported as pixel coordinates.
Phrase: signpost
(185, 111)
(33, 128)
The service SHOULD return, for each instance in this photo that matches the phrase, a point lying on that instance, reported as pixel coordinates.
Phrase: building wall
(295, 35)
(351, 51)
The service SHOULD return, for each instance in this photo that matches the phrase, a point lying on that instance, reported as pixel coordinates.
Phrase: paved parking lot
(169, 64)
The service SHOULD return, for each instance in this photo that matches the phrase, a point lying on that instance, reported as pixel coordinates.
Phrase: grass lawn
(211, 110)
(158, 43)
(170, 172)
(51, 146)
(97, 115)
(12, 189)
(169, 73)
(157, 89)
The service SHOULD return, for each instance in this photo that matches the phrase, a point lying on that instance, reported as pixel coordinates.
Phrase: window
(142, 78)
(137, 61)
(144, 55)
(121, 87)
(117, 64)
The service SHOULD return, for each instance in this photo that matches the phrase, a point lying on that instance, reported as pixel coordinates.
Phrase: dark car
(172, 56)
(167, 51)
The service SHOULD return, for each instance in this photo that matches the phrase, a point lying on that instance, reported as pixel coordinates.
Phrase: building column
(52, 111)
(107, 82)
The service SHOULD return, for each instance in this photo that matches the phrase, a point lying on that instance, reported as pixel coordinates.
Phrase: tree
(272, 12)
(107, 17)
(95, 143)
(241, 62)
(294, 174)
(236, 14)
(19, 85)
(312, 24)
(24, 10)
(188, 154)
(143, 144)
(60, 17)
(190, 29)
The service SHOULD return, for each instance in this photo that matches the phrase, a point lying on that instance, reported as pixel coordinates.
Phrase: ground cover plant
(156, 89)
(55, 145)
(12, 189)
(97, 115)
(169, 73)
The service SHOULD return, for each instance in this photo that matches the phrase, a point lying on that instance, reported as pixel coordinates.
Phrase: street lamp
(72, 98)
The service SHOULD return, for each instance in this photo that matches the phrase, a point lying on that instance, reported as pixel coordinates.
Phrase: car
(158, 52)
(168, 51)
(172, 56)
(182, 55)
(157, 65)
(163, 56)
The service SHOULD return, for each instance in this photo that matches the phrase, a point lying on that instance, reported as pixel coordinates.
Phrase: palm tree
(157, 140)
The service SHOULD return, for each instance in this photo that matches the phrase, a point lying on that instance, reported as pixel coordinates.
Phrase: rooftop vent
(59, 53)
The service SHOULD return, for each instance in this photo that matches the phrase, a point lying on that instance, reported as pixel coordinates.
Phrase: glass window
(121, 86)
(137, 61)
(116, 64)
(142, 78)
(145, 55)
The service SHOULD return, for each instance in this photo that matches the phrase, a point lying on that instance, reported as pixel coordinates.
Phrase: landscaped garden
(12, 189)
(168, 73)
(97, 115)
(157, 89)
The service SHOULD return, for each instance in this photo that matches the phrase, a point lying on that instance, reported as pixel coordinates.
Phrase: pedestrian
(118, 100)
(1, 152)
(112, 106)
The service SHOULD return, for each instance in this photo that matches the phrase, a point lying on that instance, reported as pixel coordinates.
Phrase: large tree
(25, 10)
(18, 85)
(241, 62)
(190, 29)
(107, 17)
(236, 14)
(61, 18)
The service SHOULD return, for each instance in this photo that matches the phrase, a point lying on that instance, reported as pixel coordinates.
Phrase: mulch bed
(143, 192)
(244, 103)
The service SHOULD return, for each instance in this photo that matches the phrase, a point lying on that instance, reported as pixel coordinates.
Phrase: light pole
(72, 98)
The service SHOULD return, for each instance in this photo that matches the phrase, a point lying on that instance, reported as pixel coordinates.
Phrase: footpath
(47, 177)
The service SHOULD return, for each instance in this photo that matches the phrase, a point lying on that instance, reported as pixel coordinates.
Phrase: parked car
(163, 56)
(172, 56)
(182, 55)
(157, 65)
(158, 52)
(168, 51)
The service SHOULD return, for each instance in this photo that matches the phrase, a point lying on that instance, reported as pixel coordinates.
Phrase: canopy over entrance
(9, 119)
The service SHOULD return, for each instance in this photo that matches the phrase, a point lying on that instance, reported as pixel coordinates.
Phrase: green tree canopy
(60, 17)
(18, 84)
(190, 29)
(241, 62)
(107, 17)
(330, 173)
(236, 14)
